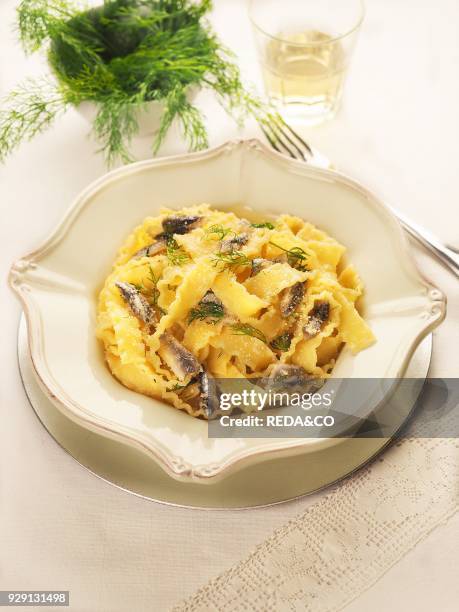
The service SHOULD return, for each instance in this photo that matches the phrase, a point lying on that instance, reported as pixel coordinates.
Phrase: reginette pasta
(199, 294)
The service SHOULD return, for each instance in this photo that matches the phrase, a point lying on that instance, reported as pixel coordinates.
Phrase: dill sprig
(28, 110)
(266, 224)
(212, 311)
(180, 387)
(232, 259)
(152, 292)
(120, 56)
(282, 342)
(218, 231)
(153, 279)
(243, 329)
(175, 254)
(296, 257)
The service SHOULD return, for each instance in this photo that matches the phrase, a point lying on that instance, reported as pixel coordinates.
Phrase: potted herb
(127, 64)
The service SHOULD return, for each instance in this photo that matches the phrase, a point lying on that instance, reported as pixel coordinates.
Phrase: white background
(62, 528)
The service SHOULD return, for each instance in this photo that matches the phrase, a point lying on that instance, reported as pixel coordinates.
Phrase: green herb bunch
(120, 56)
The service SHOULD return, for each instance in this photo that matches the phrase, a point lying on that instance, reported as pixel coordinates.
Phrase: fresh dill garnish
(151, 292)
(232, 259)
(282, 342)
(217, 230)
(120, 56)
(212, 311)
(267, 224)
(296, 257)
(179, 387)
(175, 254)
(242, 329)
(155, 293)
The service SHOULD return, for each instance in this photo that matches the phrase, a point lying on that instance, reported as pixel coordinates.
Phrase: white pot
(148, 116)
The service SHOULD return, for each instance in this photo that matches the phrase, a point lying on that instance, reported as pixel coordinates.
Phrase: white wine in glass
(304, 67)
(299, 73)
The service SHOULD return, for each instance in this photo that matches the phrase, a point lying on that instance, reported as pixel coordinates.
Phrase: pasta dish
(201, 294)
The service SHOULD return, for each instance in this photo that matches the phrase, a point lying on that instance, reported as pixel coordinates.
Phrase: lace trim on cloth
(324, 558)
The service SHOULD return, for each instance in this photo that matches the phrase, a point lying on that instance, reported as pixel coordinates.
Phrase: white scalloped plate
(59, 282)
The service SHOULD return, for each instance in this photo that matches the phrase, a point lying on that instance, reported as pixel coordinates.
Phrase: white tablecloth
(62, 528)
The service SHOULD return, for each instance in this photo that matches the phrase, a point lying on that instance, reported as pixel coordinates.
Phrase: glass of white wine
(305, 48)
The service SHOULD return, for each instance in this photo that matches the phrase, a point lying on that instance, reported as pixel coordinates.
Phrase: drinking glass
(305, 48)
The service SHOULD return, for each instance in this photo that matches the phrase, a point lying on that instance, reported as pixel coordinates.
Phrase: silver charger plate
(263, 484)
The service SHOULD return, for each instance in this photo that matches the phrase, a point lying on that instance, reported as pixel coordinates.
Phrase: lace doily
(323, 559)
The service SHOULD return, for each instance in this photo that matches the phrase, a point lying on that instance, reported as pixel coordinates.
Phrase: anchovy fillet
(153, 249)
(291, 298)
(316, 318)
(180, 224)
(180, 360)
(286, 377)
(211, 298)
(137, 303)
(208, 401)
(232, 243)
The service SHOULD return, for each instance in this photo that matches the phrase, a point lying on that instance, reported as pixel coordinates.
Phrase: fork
(283, 138)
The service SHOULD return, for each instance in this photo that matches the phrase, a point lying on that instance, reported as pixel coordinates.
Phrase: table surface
(398, 132)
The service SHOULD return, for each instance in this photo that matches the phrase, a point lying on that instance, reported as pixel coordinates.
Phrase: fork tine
(281, 120)
(271, 141)
(277, 121)
(273, 135)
